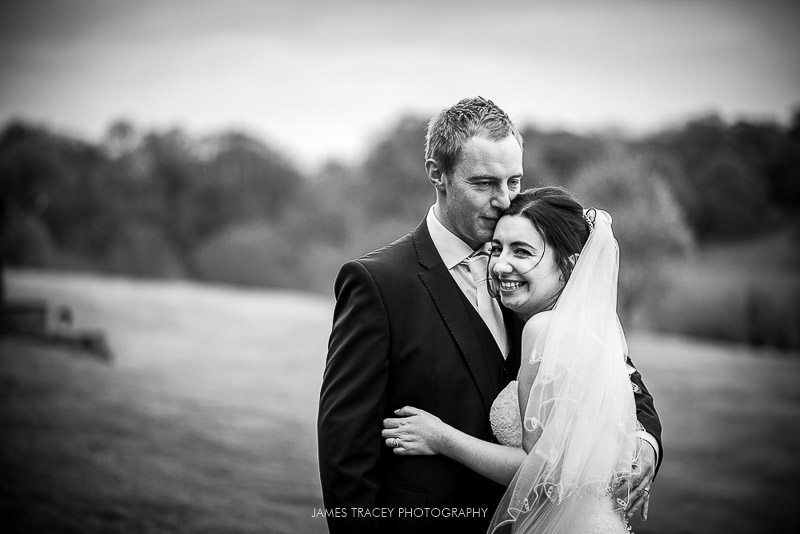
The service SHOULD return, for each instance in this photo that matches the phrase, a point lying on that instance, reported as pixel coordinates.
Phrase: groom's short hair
(453, 126)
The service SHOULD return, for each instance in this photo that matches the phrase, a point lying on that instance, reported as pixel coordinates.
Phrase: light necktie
(488, 308)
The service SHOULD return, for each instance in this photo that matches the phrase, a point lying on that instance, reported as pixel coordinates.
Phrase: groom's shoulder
(386, 267)
(400, 251)
(390, 257)
(393, 263)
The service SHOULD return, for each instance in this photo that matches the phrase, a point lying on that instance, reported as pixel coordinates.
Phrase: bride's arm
(420, 433)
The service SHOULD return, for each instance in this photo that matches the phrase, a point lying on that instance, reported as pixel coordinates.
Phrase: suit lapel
(450, 302)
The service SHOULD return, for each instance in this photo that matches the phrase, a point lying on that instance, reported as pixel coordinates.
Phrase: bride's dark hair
(556, 214)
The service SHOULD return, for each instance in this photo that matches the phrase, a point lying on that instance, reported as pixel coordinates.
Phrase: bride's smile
(510, 285)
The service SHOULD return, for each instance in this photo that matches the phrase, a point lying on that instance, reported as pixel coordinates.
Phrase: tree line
(228, 208)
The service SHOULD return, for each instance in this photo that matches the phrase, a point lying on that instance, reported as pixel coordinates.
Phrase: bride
(567, 426)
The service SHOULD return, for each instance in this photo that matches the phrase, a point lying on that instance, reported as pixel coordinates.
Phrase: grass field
(205, 421)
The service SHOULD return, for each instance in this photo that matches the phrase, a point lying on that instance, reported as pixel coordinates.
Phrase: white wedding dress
(594, 514)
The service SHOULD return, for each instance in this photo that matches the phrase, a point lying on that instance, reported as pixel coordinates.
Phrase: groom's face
(480, 187)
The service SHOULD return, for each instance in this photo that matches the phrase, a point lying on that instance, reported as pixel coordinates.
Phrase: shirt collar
(452, 249)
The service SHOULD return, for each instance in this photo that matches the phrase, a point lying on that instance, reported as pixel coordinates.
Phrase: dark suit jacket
(404, 335)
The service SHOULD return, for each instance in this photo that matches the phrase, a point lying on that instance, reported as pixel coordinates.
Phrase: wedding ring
(647, 490)
(394, 442)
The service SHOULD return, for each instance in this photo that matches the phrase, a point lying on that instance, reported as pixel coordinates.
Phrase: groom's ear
(435, 174)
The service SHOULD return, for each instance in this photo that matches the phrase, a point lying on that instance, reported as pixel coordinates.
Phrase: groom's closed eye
(483, 182)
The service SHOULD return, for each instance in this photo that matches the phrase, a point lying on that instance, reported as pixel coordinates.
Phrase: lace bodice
(504, 417)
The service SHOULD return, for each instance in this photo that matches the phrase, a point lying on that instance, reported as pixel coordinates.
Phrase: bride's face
(523, 267)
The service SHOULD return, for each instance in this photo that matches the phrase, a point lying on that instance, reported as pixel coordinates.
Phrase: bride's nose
(501, 266)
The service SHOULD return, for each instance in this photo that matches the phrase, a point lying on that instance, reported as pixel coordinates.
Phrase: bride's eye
(522, 253)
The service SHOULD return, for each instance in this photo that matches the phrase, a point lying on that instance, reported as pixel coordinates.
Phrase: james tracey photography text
(402, 513)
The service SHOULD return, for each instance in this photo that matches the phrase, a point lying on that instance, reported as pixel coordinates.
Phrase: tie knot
(480, 254)
(478, 262)
(476, 255)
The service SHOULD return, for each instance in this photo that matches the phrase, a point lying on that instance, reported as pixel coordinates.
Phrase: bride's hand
(414, 432)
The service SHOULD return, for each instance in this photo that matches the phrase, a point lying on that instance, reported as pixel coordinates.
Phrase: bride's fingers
(406, 411)
(392, 443)
(390, 422)
(390, 433)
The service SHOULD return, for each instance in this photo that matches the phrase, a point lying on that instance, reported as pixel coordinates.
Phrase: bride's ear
(573, 260)
(435, 175)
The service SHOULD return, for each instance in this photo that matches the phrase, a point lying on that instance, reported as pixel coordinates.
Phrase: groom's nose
(501, 199)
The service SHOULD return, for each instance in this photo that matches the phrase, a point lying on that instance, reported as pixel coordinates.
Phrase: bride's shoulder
(537, 324)
(535, 327)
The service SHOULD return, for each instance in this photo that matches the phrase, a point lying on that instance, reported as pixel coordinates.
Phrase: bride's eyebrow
(523, 244)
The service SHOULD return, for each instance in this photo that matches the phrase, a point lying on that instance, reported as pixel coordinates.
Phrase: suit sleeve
(352, 399)
(645, 409)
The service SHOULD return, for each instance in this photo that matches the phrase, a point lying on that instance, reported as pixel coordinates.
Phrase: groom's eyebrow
(492, 177)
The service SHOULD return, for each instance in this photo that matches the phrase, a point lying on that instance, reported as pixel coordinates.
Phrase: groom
(412, 327)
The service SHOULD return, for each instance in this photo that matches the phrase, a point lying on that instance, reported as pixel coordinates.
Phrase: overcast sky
(322, 78)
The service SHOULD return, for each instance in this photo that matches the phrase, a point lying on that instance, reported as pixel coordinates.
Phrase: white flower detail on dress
(531, 424)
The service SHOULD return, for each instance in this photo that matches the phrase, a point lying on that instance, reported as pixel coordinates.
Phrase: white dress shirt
(454, 253)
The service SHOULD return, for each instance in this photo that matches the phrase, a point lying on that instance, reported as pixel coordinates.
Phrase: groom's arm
(646, 412)
(352, 399)
(635, 497)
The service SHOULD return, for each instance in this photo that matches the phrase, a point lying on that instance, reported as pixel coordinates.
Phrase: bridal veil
(580, 417)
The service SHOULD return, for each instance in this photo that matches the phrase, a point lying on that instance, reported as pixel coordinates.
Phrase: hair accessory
(590, 215)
